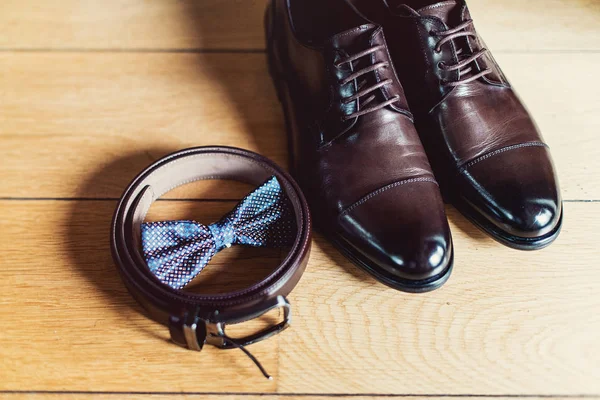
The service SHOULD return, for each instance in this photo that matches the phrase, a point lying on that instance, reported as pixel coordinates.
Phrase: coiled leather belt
(195, 320)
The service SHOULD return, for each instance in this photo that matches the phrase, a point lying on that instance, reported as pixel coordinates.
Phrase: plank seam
(384, 395)
(242, 51)
(108, 199)
(131, 50)
(183, 200)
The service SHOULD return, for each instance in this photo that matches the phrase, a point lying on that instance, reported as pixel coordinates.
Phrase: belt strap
(193, 319)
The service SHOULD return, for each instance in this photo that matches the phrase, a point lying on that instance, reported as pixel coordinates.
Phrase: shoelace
(361, 90)
(450, 35)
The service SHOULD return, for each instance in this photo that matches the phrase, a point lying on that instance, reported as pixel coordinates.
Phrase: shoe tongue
(448, 11)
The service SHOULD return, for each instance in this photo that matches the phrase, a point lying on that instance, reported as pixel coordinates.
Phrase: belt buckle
(198, 331)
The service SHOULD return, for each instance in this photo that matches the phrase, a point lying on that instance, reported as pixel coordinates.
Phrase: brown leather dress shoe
(353, 146)
(485, 149)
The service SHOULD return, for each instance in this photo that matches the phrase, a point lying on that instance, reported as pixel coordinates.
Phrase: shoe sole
(404, 285)
(357, 259)
(503, 237)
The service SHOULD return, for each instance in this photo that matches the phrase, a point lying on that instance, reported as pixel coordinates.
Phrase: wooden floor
(93, 91)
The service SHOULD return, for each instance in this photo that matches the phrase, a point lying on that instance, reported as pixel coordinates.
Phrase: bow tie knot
(223, 233)
(177, 251)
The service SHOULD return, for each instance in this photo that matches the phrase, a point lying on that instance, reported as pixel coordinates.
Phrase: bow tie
(177, 251)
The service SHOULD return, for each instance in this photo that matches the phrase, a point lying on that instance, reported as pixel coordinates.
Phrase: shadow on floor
(89, 231)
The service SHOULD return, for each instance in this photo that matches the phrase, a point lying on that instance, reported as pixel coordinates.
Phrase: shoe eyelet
(442, 65)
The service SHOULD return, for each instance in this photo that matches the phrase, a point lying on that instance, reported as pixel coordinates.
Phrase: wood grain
(509, 25)
(132, 24)
(507, 322)
(538, 26)
(92, 92)
(82, 125)
(77, 327)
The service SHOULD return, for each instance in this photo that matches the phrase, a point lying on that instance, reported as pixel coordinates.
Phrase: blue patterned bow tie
(177, 251)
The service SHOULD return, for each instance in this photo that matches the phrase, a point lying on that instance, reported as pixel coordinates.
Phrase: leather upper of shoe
(481, 140)
(356, 151)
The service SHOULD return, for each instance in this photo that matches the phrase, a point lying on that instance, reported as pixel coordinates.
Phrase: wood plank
(82, 125)
(70, 324)
(538, 25)
(507, 322)
(121, 112)
(132, 24)
(510, 25)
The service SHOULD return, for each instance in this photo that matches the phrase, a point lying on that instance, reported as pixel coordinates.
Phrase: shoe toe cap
(517, 191)
(534, 217)
(421, 261)
(403, 232)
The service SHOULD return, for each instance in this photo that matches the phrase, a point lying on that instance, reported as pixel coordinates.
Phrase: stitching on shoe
(383, 189)
(502, 150)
